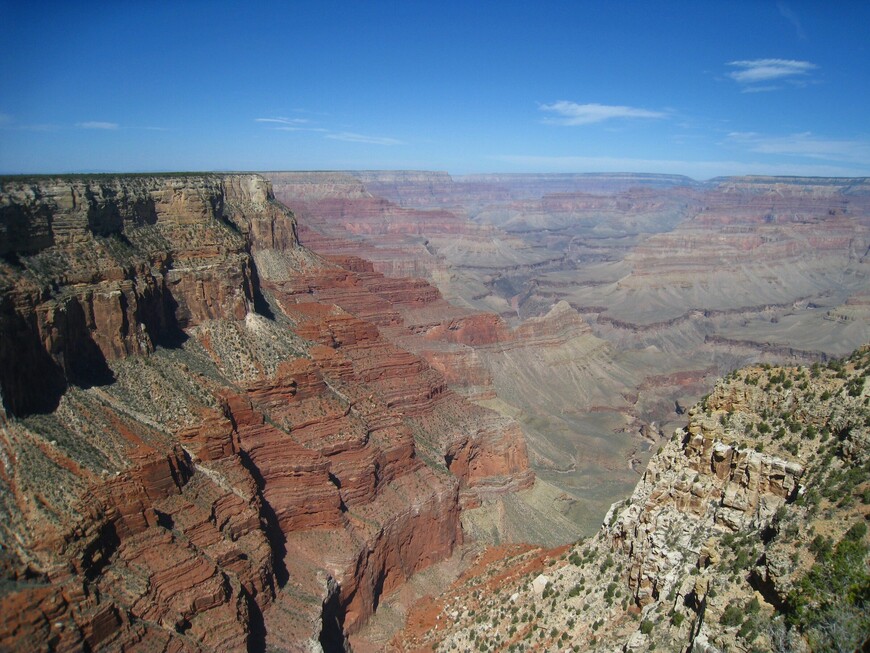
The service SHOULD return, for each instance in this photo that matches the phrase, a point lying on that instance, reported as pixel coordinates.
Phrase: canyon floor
(232, 425)
(654, 287)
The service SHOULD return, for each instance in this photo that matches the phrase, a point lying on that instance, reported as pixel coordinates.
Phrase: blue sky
(700, 88)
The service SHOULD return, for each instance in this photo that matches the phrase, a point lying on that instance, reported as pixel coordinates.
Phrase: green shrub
(821, 546)
(733, 615)
(831, 602)
(856, 533)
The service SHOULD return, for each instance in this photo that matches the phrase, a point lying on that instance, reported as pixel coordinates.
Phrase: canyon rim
(278, 411)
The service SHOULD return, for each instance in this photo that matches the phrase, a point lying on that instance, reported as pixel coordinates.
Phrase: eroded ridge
(747, 532)
(201, 449)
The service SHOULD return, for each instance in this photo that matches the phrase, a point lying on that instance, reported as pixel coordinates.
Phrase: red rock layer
(352, 221)
(160, 555)
(198, 505)
(405, 383)
(108, 268)
(761, 221)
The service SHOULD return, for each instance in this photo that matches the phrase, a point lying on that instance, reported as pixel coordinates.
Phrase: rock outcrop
(207, 442)
(99, 269)
(729, 542)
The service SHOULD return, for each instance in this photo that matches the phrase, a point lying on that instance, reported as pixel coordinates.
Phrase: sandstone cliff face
(729, 542)
(96, 270)
(202, 448)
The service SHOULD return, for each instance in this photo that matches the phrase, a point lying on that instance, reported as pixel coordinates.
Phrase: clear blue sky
(700, 88)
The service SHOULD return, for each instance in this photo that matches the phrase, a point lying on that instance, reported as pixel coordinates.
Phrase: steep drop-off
(748, 531)
(201, 449)
(676, 282)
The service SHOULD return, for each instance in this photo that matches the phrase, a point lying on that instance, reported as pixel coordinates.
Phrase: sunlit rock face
(672, 283)
(207, 441)
(727, 542)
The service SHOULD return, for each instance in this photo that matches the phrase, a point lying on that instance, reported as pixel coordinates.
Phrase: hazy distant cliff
(201, 449)
(748, 531)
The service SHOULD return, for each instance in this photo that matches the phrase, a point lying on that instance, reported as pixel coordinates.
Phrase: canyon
(747, 531)
(660, 285)
(245, 411)
(202, 449)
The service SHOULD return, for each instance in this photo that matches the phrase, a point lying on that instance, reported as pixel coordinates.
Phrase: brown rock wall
(157, 255)
(199, 478)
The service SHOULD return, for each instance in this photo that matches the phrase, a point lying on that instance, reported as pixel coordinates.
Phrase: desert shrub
(747, 630)
(856, 532)
(831, 603)
(821, 546)
(732, 616)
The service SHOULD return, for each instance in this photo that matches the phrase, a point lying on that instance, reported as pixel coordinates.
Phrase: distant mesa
(242, 411)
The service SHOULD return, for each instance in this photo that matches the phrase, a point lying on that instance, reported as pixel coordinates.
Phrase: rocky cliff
(747, 532)
(671, 283)
(206, 441)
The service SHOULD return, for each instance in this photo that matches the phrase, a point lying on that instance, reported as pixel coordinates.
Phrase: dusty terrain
(748, 531)
(649, 288)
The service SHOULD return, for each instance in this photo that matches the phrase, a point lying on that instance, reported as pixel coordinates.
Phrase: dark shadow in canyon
(277, 540)
(256, 626)
(31, 381)
(261, 305)
(332, 637)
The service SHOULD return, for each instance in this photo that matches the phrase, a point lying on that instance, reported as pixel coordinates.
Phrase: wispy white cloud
(571, 113)
(805, 144)
(280, 123)
(761, 89)
(350, 137)
(791, 17)
(752, 72)
(696, 169)
(97, 124)
(300, 129)
(283, 121)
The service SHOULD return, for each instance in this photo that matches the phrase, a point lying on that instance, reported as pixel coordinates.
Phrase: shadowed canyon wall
(205, 445)
(672, 283)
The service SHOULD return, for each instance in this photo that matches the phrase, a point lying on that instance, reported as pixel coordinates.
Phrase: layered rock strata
(677, 283)
(201, 448)
(747, 531)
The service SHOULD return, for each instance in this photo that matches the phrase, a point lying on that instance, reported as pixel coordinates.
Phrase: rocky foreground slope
(657, 286)
(747, 532)
(202, 448)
